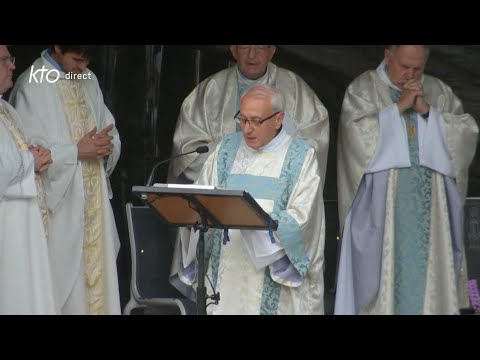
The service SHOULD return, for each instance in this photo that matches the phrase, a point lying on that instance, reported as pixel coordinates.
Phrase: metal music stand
(202, 209)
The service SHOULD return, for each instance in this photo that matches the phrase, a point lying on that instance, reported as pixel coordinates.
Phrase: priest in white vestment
(263, 272)
(61, 106)
(206, 115)
(26, 286)
(404, 149)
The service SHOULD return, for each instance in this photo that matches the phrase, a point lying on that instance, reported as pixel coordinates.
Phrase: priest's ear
(279, 120)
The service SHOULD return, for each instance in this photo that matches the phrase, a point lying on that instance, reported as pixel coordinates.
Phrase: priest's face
(260, 124)
(70, 61)
(6, 69)
(253, 59)
(405, 63)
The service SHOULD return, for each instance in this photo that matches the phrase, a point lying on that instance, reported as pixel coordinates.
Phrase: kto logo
(53, 75)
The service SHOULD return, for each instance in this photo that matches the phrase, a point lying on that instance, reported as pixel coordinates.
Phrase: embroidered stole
(412, 225)
(80, 120)
(23, 146)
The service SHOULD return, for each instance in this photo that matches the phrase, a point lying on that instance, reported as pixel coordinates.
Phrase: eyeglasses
(6, 59)
(256, 47)
(253, 122)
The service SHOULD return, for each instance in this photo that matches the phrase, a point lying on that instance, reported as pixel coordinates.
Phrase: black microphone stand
(200, 150)
(152, 174)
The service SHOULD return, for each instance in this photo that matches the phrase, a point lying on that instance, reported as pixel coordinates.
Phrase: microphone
(198, 150)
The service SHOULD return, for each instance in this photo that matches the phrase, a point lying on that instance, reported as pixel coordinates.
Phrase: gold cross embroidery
(411, 131)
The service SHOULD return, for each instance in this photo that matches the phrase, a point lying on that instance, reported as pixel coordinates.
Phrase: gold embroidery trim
(80, 119)
(22, 145)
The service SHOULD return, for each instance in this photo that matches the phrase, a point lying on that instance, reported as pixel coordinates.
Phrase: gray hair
(392, 48)
(277, 100)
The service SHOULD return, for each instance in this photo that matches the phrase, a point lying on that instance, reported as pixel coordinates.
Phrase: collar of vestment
(46, 54)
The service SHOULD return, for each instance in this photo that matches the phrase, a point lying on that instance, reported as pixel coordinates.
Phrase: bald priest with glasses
(207, 114)
(257, 272)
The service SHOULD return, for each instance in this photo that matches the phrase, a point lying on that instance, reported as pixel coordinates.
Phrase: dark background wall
(144, 86)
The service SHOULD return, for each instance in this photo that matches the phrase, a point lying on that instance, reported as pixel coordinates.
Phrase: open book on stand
(184, 186)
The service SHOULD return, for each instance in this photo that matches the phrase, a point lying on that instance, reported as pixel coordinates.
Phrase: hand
(103, 141)
(42, 158)
(95, 145)
(419, 105)
(87, 149)
(104, 132)
(410, 91)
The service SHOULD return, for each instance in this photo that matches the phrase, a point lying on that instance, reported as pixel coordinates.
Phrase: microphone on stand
(198, 150)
